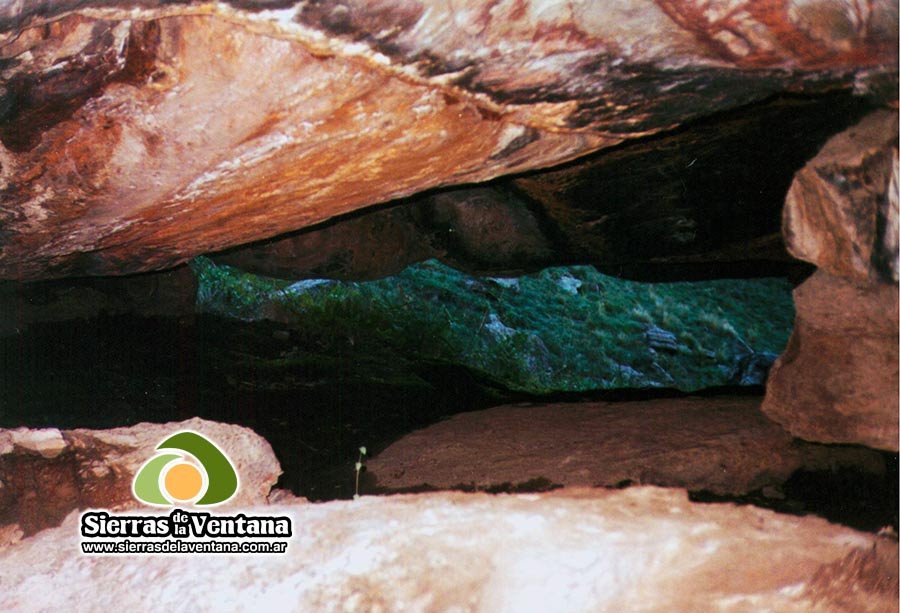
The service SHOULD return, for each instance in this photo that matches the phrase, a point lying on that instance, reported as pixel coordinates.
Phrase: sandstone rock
(47, 443)
(284, 497)
(478, 229)
(704, 201)
(840, 213)
(679, 205)
(136, 134)
(837, 381)
(45, 474)
(370, 245)
(723, 445)
(643, 549)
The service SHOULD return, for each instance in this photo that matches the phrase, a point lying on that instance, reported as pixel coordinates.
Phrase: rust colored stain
(732, 35)
(39, 492)
(240, 156)
(143, 135)
(140, 53)
(36, 103)
(519, 10)
(568, 34)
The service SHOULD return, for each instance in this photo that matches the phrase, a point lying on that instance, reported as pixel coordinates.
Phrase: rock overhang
(137, 135)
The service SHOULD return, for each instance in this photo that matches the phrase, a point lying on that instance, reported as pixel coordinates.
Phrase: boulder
(642, 549)
(136, 134)
(45, 474)
(721, 445)
(841, 212)
(837, 381)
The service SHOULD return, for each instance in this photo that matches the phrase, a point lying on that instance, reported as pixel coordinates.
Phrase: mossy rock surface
(563, 329)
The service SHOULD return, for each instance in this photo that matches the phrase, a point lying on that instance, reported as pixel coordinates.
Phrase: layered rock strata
(136, 135)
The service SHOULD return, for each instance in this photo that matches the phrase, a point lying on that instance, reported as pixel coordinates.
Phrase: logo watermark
(188, 469)
(200, 474)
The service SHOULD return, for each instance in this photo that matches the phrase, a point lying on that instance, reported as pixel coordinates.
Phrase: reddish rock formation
(45, 474)
(838, 380)
(723, 445)
(840, 213)
(481, 229)
(702, 202)
(642, 549)
(136, 135)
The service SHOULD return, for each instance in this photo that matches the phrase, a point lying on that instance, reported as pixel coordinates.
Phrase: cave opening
(645, 279)
(488, 305)
(320, 368)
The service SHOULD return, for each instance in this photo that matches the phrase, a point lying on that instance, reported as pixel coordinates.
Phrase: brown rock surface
(45, 474)
(702, 202)
(136, 135)
(723, 445)
(840, 213)
(642, 549)
(837, 381)
(480, 229)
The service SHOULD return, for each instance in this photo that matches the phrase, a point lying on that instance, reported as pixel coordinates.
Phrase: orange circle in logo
(183, 481)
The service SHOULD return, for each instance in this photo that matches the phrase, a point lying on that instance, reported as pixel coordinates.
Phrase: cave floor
(120, 371)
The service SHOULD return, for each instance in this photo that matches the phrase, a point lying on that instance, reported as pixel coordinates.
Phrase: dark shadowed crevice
(859, 499)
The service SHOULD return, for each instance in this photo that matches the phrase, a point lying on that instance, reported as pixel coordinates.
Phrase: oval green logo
(189, 469)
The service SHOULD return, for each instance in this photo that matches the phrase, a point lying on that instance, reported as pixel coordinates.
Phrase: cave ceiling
(135, 135)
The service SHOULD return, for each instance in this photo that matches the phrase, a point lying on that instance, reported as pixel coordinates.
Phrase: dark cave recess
(703, 201)
(119, 371)
(699, 202)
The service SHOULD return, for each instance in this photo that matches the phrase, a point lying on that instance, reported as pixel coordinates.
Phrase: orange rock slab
(134, 136)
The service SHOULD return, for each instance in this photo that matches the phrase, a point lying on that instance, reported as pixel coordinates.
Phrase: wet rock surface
(721, 445)
(580, 550)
